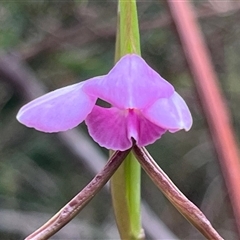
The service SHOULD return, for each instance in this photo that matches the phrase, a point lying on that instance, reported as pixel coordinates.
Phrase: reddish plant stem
(72, 208)
(211, 98)
(174, 195)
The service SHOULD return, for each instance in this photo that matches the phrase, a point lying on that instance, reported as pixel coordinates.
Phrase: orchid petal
(130, 84)
(142, 130)
(108, 127)
(170, 113)
(113, 128)
(59, 110)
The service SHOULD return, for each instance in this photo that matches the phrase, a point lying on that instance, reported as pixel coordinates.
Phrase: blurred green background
(50, 44)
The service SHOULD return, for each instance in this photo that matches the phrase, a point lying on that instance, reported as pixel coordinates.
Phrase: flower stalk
(129, 30)
(126, 182)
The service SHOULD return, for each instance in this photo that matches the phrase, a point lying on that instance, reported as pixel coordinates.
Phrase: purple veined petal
(113, 128)
(142, 130)
(108, 127)
(130, 84)
(59, 110)
(170, 113)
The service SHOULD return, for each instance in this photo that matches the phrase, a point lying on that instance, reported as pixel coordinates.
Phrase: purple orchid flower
(144, 107)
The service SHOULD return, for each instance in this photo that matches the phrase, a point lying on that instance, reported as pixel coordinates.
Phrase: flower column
(126, 182)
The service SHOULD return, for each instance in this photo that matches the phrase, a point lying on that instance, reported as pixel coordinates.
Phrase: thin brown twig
(73, 207)
(211, 97)
(174, 195)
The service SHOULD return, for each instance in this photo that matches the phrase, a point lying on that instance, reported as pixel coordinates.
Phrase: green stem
(126, 189)
(129, 30)
(133, 193)
(126, 182)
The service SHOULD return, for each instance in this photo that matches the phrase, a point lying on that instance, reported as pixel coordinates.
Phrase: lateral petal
(108, 127)
(170, 113)
(130, 84)
(58, 110)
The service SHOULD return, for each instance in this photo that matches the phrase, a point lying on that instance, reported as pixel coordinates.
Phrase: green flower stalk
(126, 182)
